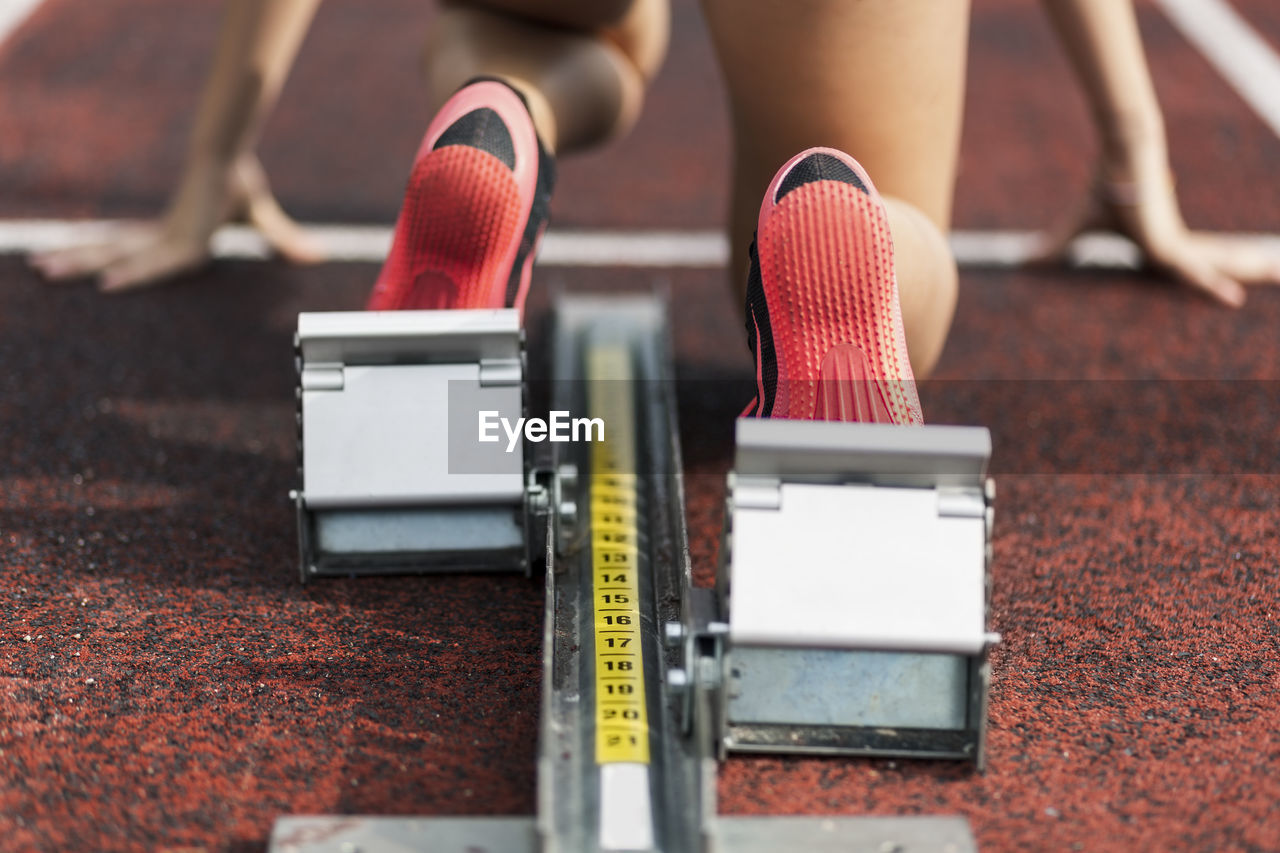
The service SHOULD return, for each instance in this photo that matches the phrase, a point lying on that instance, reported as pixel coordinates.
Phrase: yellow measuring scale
(622, 725)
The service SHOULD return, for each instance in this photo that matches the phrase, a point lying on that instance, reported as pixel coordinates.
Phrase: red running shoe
(823, 318)
(475, 208)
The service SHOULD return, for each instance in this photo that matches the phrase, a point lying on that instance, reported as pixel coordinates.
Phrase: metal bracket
(394, 477)
(854, 584)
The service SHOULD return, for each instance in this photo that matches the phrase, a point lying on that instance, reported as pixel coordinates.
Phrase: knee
(446, 57)
(602, 14)
(642, 34)
(640, 29)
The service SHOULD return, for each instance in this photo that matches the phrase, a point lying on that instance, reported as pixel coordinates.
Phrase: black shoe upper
(761, 345)
(484, 129)
(818, 167)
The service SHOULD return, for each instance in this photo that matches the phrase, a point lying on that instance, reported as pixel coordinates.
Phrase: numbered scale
(647, 681)
(622, 721)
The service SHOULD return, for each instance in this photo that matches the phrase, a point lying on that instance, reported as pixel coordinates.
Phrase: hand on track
(1145, 209)
(143, 254)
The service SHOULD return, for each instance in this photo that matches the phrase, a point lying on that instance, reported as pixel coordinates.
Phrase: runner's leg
(581, 64)
(880, 79)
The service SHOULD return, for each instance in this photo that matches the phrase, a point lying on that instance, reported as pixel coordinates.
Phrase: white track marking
(1241, 56)
(560, 248)
(600, 248)
(12, 14)
(579, 247)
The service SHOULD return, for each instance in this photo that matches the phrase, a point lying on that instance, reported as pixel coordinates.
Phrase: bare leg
(582, 65)
(880, 79)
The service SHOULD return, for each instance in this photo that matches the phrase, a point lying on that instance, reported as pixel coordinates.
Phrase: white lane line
(1241, 56)
(579, 247)
(602, 248)
(12, 14)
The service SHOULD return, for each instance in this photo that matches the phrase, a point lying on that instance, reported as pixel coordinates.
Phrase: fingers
(155, 264)
(1202, 274)
(262, 211)
(280, 231)
(1221, 265)
(144, 256)
(88, 259)
(137, 254)
(1248, 259)
(133, 255)
(76, 261)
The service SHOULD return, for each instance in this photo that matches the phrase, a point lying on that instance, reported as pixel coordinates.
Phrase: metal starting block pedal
(384, 489)
(851, 601)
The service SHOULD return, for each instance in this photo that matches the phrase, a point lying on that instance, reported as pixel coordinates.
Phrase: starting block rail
(824, 634)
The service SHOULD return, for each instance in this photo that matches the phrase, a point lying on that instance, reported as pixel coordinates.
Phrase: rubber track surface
(165, 684)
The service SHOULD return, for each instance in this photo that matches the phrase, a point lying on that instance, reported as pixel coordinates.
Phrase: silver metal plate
(335, 834)
(821, 687)
(883, 454)
(384, 439)
(861, 567)
(445, 529)
(408, 337)
(844, 835)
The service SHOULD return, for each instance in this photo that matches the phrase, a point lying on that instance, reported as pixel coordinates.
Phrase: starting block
(384, 488)
(851, 600)
(849, 615)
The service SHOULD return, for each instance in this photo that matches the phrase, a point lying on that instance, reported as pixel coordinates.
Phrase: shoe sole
(827, 270)
(461, 238)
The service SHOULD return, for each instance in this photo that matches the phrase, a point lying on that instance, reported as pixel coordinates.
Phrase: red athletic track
(146, 449)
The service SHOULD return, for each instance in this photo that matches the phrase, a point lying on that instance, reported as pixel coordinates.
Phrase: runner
(843, 280)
